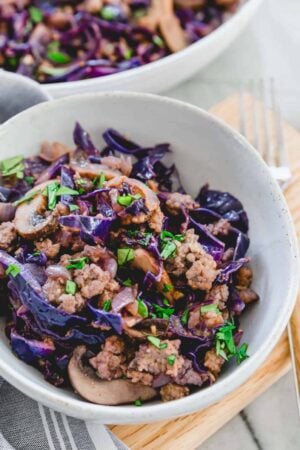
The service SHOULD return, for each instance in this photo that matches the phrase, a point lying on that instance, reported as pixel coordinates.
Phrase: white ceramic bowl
(205, 149)
(167, 72)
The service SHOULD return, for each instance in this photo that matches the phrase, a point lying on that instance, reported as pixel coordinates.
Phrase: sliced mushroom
(155, 327)
(154, 216)
(122, 164)
(32, 221)
(92, 170)
(115, 392)
(52, 151)
(144, 261)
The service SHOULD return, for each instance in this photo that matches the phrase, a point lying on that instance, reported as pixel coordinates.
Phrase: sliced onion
(111, 266)
(57, 271)
(124, 298)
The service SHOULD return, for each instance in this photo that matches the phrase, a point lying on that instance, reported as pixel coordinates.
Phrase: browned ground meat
(191, 259)
(244, 277)
(91, 280)
(152, 360)
(189, 376)
(69, 240)
(54, 289)
(111, 289)
(110, 363)
(248, 295)
(213, 319)
(177, 201)
(221, 227)
(48, 247)
(94, 253)
(7, 235)
(213, 362)
(218, 295)
(173, 391)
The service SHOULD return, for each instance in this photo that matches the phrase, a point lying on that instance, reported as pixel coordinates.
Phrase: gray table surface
(269, 47)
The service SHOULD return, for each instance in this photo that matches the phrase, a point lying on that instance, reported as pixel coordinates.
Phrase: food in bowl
(115, 280)
(74, 40)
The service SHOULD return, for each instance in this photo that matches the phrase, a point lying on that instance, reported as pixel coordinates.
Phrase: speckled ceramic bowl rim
(131, 414)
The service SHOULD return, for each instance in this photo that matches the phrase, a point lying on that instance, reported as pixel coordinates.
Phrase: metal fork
(269, 142)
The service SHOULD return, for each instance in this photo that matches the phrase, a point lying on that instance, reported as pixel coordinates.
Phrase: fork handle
(294, 338)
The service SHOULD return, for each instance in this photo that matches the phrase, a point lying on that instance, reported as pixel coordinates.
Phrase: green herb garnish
(78, 263)
(107, 305)
(13, 270)
(142, 308)
(52, 194)
(109, 13)
(185, 316)
(73, 207)
(64, 190)
(167, 287)
(210, 308)
(157, 342)
(127, 282)
(128, 53)
(158, 41)
(171, 360)
(168, 245)
(58, 57)
(241, 354)
(71, 287)
(169, 250)
(29, 180)
(36, 15)
(163, 313)
(138, 402)
(124, 255)
(127, 200)
(100, 180)
(12, 166)
(27, 197)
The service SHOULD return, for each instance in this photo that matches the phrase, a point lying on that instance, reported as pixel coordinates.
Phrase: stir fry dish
(113, 279)
(70, 40)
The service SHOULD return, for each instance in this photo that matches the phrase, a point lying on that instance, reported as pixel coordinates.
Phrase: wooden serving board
(189, 432)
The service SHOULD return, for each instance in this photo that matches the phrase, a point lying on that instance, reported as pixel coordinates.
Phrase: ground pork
(50, 249)
(111, 289)
(243, 277)
(173, 391)
(221, 227)
(54, 289)
(110, 363)
(177, 201)
(69, 240)
(218, 295)
(188, 375)
(248, 295)
(209, 319)
(152, 360)
(94, 252)
(7, 235)
(213, 362)
(91, 280)
(192, 261)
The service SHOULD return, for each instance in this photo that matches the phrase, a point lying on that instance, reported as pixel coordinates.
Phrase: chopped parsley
(157, 40)
(107, 305)
(29, 180)
(64, 190)
(36, 15)
(100, 180)
(142, 308)
(12, 166)
(78, 263)
(171, 360)
(128, 53)
(142, 238)
(125, 255)
(241, 354)
(127, 200)
(58, 57)
(166, 302)
(167, 287)
(71, 287)
(13, 270)
(225, 345)
(73, 207)
(127, 282)
(109, 12)
(157, 343)
(210, 308)
(185, 316)
(138, 402)
(51, 194)
(27, 197)
(163, 313)
(168, 245)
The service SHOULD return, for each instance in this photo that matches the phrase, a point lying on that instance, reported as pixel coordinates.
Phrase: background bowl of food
(176, 268)
(96, 45)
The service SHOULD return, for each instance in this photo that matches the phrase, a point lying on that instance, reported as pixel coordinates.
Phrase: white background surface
(269, 47)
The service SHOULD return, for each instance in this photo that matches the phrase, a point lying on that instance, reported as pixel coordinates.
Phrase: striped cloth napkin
(26, 424)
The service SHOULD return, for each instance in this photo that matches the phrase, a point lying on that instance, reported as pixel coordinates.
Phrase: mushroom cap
(115, 392)
(93, 170)
(30, 219)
